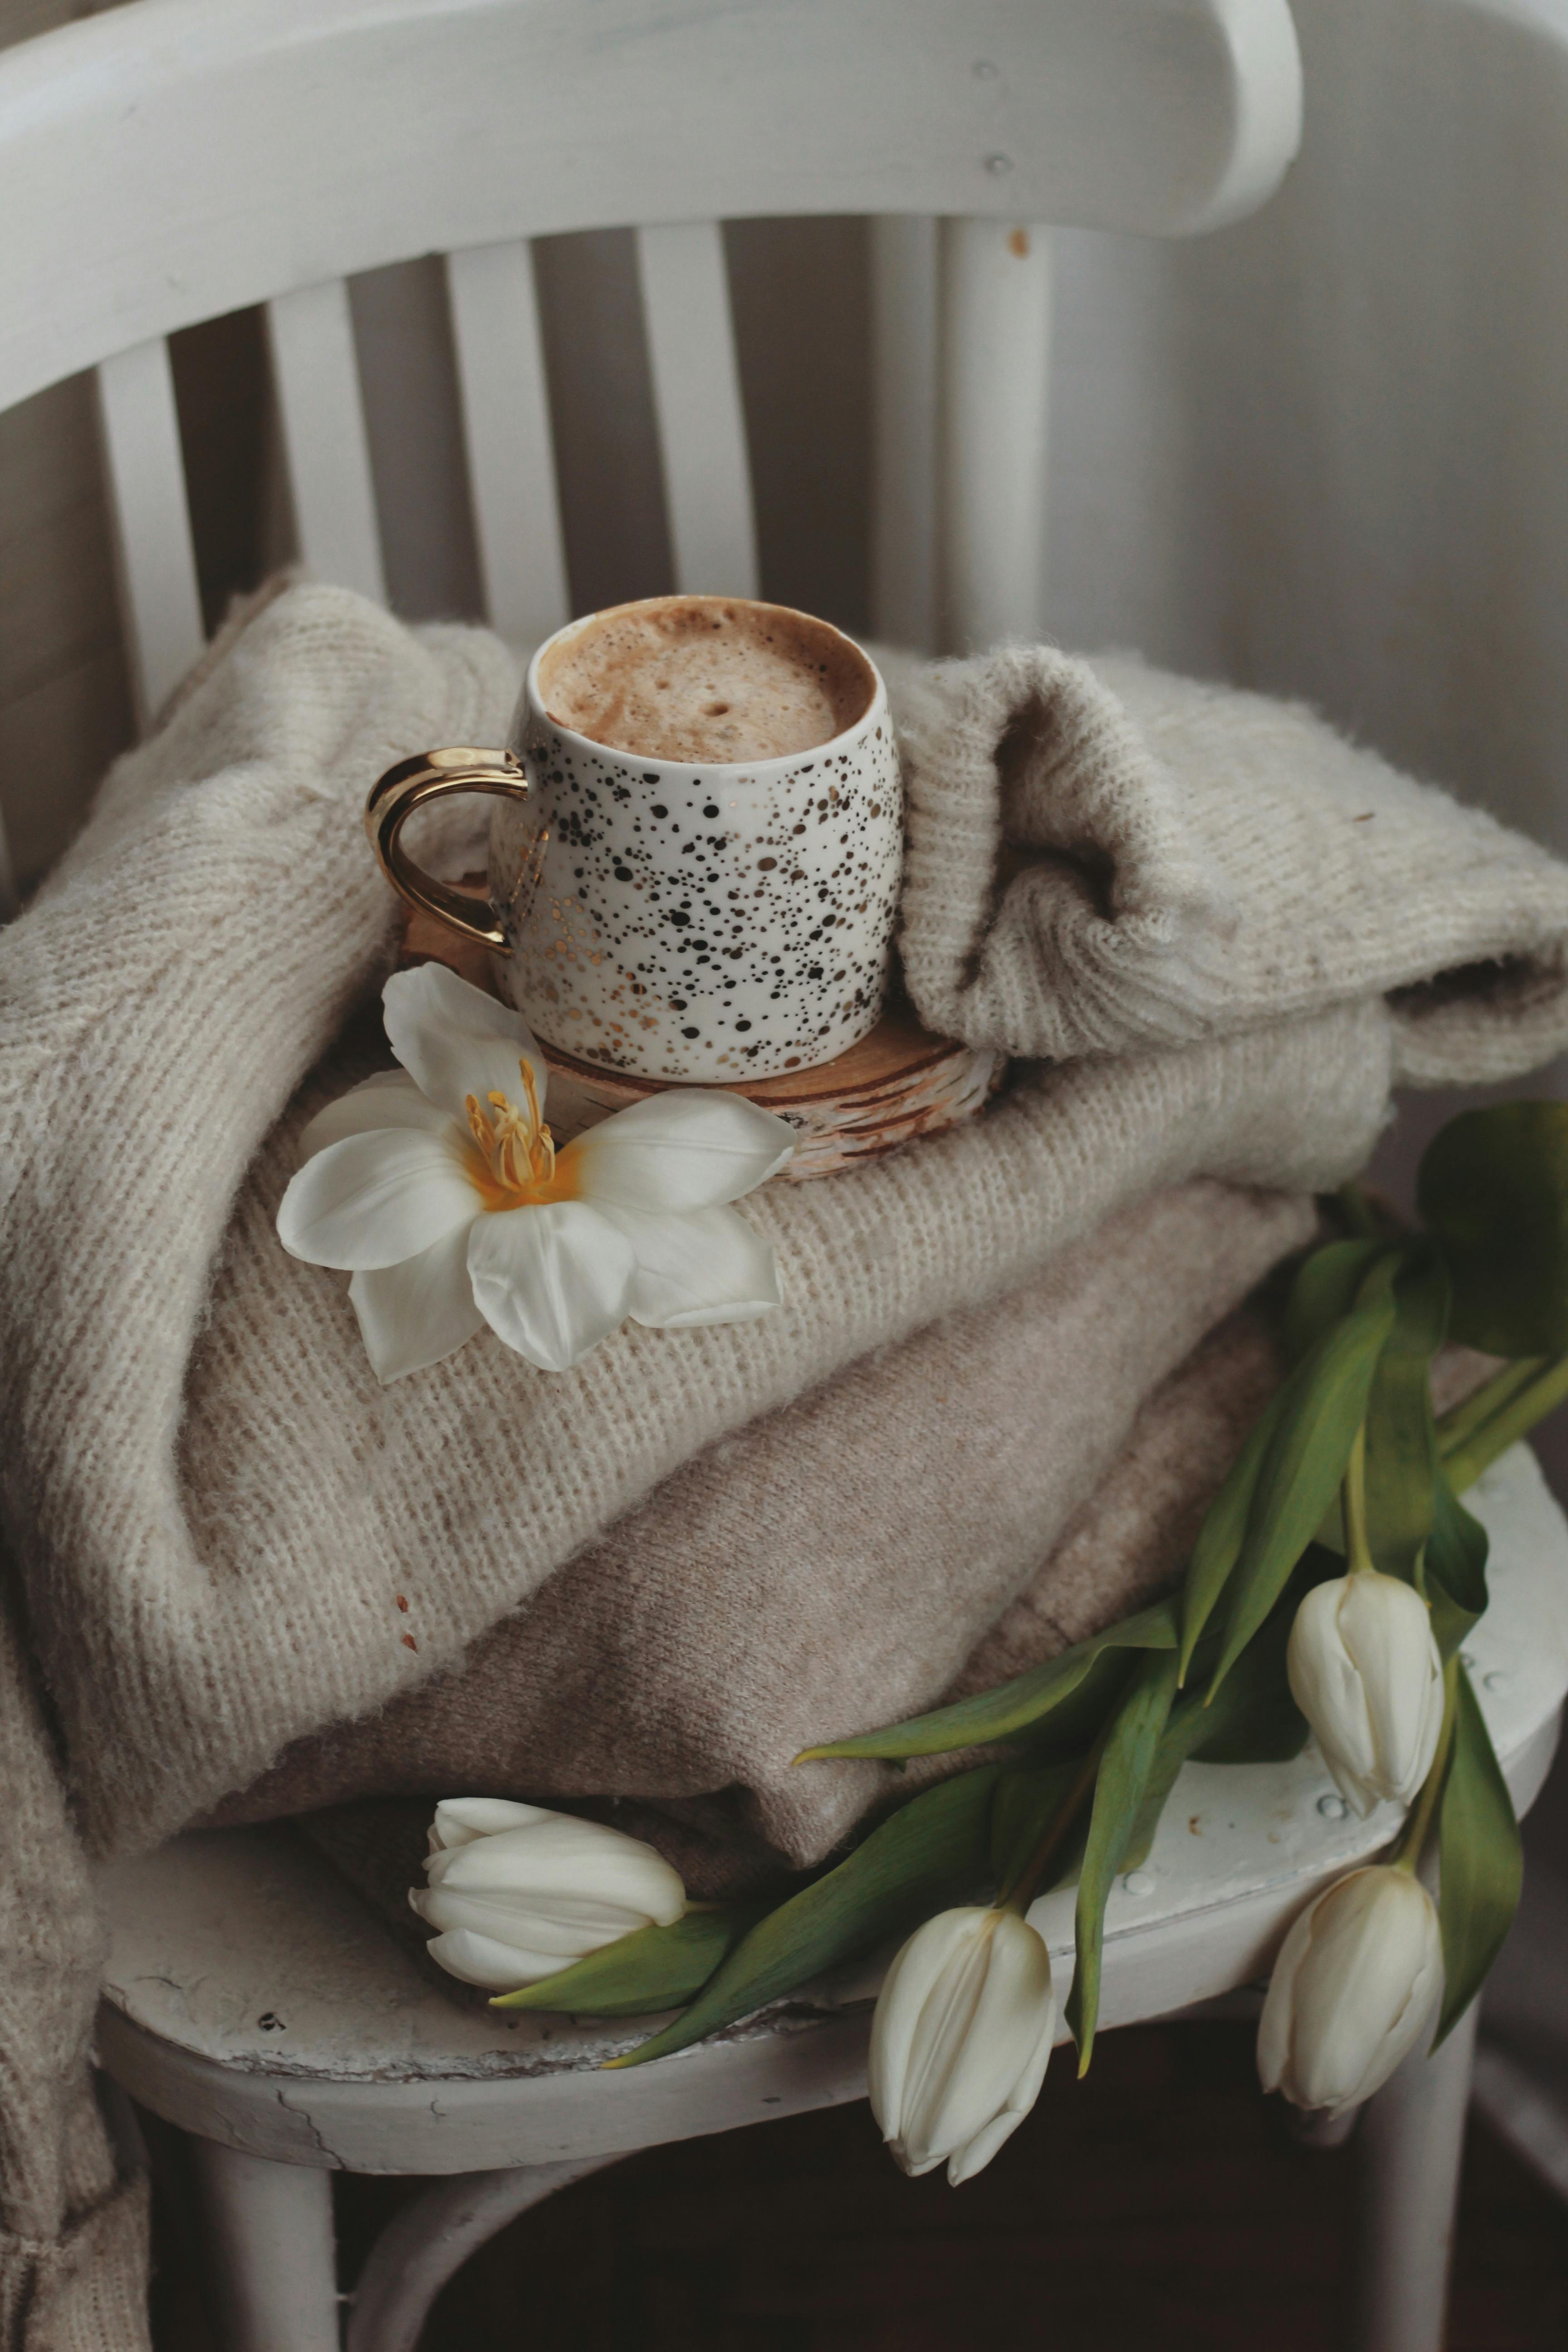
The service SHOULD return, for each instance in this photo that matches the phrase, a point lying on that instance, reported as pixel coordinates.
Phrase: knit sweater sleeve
(1103, 859)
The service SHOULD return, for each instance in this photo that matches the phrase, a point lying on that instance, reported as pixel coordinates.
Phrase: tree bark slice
(899, 1082)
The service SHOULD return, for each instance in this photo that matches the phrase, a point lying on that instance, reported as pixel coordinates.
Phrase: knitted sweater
(210, 1506)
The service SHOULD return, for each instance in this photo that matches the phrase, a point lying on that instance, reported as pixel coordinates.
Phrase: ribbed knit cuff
(85, 2291)
(1023, 759)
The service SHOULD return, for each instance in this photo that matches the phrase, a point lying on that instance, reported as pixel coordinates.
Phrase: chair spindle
(996, 329)
(697, 401)
(146, 480)
(506, 426)
(324, 443)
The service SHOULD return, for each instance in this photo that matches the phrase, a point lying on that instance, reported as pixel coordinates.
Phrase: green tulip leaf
(1480, 1859)
(1454, 1568)
(1253, 1720)
(932, 1852)
(1219, 1539)
(1321, 1406)
(1324, 1291)
(1493, 1189)
(1030, 1804)
(653, 1967)
(1013, 1706)
(1126, 1764)
(1401, 1441)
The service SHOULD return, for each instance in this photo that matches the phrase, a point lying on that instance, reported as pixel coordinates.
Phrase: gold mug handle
(413, 784)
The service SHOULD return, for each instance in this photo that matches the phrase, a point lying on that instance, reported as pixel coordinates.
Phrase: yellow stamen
(516, 1150)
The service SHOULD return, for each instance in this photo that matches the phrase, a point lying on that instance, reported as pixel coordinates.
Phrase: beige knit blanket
(844, 1560)
(209, 1505)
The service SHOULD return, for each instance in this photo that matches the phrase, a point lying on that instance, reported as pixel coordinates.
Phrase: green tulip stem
(1462, 1421)
(1506, 1409)
(1358, 1551)
(1414, 1838)
(1026, 1885)
(1356, 1211)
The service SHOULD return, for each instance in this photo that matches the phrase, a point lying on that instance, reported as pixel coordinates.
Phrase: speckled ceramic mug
(688, 922)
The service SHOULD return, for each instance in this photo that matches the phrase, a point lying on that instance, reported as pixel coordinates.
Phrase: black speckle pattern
(699, 924)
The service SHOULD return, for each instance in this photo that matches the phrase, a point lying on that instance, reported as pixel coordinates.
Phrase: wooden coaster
(896, 1083)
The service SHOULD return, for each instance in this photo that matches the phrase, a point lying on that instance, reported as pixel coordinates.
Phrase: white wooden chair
(178, 159)
(253, 2000)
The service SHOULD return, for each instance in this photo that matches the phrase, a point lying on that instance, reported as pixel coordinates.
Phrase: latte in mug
(705, 679)
(695, 856)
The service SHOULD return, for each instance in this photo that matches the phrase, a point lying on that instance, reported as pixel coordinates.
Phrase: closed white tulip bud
(518, 1893)
(961, 2039)
(1364, 1670)
(1352, 1991)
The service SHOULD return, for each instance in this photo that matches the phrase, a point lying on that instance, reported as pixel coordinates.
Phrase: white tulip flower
(1352, 1991)
(518, 1893)
(961, 2039)
(439, 1188)
(1365, 1671)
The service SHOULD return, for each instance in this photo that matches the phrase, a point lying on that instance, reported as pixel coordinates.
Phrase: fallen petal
(455, 1041)
(551, 1281)
(709, 1267)
(376, 1199)
(391, 1098)
(413, 1314)
(693, 1147)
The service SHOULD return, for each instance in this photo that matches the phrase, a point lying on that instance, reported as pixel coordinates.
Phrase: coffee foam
(708, 680)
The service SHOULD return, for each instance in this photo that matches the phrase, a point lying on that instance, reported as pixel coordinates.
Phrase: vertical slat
(506, 428)
(697, 400)
(995, 333)
(155, 553)
(904, 431)
(328, 455)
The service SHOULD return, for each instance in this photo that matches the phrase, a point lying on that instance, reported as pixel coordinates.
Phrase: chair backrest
(175, 160)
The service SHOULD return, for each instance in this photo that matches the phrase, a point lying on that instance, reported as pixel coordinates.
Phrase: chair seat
(252, 1997)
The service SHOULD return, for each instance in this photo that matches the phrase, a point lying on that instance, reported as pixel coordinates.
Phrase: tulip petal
(519, 1892)
(455, 1040)
(481, 1960)
(376, 1199)
(693, 1147)
(389, 1098)
(965, 2162)
(1363, 1668)
(551, 1282)
(1365, 1971)
(961, 2039)
(563, 1862)
(458, 1821)
(708, 1266)
(413, 1314)
(1274, 2025)
(1329, 1691)
(987, 2038)
(564, 1933)
(1386, 1628)
(1364, 1989)
(917, 1968)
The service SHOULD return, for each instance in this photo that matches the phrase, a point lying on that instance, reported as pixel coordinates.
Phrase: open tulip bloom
(438, 1187)
(518, 1893)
